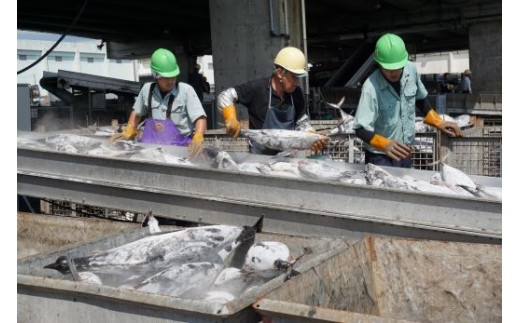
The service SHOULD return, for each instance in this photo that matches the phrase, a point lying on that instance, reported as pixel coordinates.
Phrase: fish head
(61, 264)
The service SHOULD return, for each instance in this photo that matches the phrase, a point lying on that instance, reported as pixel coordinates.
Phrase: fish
(151, 222)
(283, 139)
(65, 266)
(346, 122)
(219, 158)
(133, 263)
(280, 167)
(319, 169)
(454, 176)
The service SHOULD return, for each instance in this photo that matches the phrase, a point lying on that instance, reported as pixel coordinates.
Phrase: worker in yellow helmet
(274, 102)
(385, 116)
(174, 114)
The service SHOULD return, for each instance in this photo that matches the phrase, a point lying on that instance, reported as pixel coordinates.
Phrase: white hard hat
(262, 255)
(291, 59)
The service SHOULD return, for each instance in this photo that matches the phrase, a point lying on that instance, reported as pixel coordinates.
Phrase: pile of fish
(450, 181)
(314, 169)
(215, 262)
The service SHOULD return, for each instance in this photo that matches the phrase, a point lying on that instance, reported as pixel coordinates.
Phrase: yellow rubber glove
(447, 127)
(128, 134)
(392, 148)
(232, 125)
(196, 144)
(318, 145)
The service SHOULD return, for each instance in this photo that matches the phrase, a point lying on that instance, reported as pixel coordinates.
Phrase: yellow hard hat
(291, 59)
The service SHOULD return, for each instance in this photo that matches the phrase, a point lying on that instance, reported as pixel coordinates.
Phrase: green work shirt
(383, 112)
(186, 107)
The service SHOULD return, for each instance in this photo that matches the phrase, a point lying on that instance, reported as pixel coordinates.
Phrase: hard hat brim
(394, 66)
(174, 73)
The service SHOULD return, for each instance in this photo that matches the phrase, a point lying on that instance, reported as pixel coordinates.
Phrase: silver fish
(282, 139)
(133, 263)
(319, 169)
(347, 121)
(454, 176)
(219, 158)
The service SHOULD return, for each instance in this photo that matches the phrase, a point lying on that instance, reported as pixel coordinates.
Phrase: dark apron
(275, 119)
(164, 132)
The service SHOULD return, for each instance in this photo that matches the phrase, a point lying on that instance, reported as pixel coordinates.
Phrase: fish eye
(228, 248)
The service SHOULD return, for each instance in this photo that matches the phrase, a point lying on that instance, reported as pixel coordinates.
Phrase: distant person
(196, 80)
(174, 114)
(207, 87)
(273, 102)
(385, 116)
(466, 82)
(445, 86)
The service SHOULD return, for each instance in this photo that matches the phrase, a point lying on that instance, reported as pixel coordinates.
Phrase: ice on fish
(282, 139)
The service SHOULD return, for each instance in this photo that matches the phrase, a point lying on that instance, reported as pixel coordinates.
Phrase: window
(58, 58)
(119, 61)
(22, 57)
(90, 60)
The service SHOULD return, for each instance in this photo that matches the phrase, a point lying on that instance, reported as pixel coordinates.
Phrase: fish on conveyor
(454, 176)
(133, 263)
(72, 143)
(283, 139)
(280, 167)
(320, 169)
(218, 158)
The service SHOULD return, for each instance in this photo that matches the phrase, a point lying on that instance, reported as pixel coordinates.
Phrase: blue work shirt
(382, 111)
(186, 107)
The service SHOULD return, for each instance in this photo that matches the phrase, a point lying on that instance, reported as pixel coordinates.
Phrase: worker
(274, 102)
(196, 80)
(385, 116)
(173, 112)
(466, 82)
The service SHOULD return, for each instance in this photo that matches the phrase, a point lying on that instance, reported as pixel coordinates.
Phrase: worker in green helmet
(385, 116)
(172, 110)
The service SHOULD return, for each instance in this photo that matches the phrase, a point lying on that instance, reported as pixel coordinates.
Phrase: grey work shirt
(186, 107)
(382, 111)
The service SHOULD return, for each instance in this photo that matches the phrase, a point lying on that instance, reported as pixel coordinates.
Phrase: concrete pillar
(485, 53)
(247, 35)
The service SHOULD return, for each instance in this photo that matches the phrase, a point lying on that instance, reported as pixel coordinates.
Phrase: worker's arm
(392, 148)
(197, 141)
(226, 106)
(130, 130)
(433, 119)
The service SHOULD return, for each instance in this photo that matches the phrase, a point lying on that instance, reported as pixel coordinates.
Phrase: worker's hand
(450, 128)
(392, 148)
(196, 144)
(128, 134)
(396, 150)
(232, 125)
(318, 145)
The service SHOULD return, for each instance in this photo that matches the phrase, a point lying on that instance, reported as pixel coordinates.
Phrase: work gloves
(196, 144)
(447, 127)
(392, 148)
(128, 134)
(232, 125)
(318, 145)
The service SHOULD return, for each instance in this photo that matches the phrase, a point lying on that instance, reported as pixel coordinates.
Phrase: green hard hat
(164, 63)
(391, 52)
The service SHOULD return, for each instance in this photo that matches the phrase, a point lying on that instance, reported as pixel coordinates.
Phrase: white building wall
(81, 57)
(439, 63)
